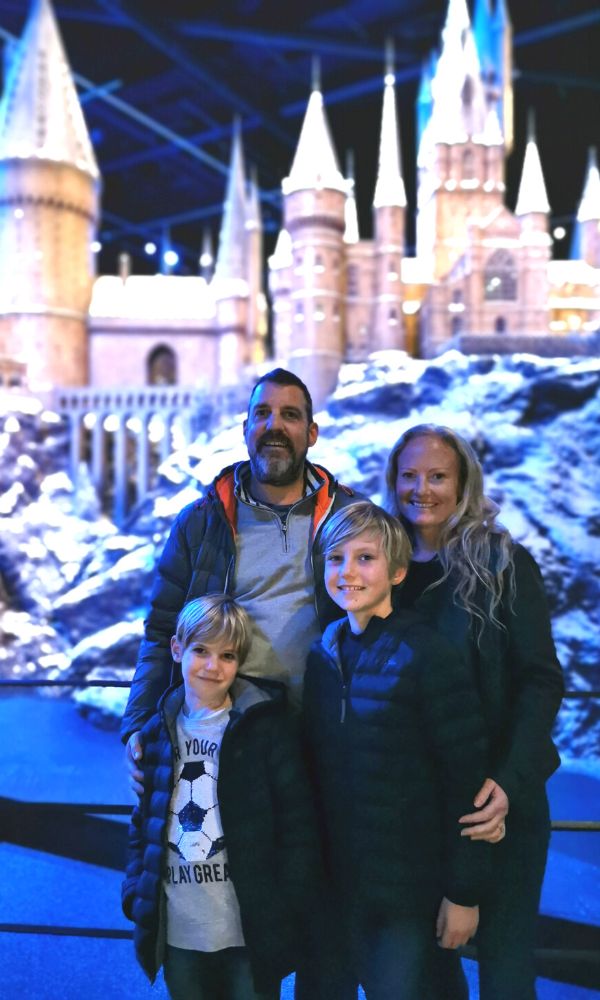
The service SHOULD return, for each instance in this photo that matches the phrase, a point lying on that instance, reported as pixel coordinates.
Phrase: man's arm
(169, 592)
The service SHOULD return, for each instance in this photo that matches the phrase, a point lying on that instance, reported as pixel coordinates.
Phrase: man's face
(278, 434)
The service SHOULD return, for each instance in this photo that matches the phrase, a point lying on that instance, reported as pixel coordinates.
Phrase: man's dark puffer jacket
(268, 823)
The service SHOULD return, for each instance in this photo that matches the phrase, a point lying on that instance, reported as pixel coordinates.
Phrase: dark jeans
(399, 960)
(211, 975)
(508, 916)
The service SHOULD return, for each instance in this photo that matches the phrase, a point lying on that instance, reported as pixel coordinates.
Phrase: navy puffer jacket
(397, 756)
(268, 823)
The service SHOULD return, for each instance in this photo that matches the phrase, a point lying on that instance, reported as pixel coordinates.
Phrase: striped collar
(312, 484)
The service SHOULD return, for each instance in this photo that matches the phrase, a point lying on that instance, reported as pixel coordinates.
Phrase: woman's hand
(488, 822)
(455, 925)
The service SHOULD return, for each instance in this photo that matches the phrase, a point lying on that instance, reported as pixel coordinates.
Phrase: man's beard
(277, 469)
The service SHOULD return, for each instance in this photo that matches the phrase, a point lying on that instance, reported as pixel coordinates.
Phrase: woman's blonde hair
(215, 618)
(466, 538)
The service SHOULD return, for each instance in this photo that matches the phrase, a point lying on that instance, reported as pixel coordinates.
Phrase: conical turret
(532, 199)
(257, 318)
(532, 211)
(231, 256)
(230, 281)
(389, 206)
(502, 51)
(49, 180)
(314, 196)
(586, 235)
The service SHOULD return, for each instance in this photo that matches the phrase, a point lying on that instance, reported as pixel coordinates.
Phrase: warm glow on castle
(482, 279)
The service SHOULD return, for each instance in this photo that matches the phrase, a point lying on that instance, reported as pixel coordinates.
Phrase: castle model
(482, 279)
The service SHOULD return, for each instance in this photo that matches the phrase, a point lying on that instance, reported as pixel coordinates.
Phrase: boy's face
(208, 671)
(358, 579)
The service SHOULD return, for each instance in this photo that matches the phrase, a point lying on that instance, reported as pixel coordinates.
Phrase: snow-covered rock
(79, 589)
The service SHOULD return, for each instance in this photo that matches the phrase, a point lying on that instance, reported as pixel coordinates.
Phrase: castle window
(161, 367)
(393, 317)
(319, 265)
(500, 324)
(456, 325)
(468, 164)
(319, 313)
(500, 277)
(352, 279)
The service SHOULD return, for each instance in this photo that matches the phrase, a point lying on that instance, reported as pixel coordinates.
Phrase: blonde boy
(223, 849)
(395, 765)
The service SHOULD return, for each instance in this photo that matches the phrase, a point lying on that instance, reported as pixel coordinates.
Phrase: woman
(486, 594)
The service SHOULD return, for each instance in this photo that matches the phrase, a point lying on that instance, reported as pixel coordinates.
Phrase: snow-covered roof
(40, 113)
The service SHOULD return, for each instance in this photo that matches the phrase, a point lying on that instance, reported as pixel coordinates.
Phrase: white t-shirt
(203, 913)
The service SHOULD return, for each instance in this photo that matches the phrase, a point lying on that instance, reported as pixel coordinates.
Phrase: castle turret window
(500, 277)
(352, 279)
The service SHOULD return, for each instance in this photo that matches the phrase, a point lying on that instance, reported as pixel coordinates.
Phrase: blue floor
(50, 754)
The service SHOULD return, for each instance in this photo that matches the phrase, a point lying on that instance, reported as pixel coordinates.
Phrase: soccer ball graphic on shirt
(198, 834)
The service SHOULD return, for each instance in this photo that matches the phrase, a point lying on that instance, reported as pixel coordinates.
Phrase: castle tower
(49, 186)
(532, 211)
(502, 53)
(359, 279)
(424, 98)
(230, 281)
(459, 181)
(314, 196)
(586, 236)
(257, 304)
(280, 289)
(389, 206)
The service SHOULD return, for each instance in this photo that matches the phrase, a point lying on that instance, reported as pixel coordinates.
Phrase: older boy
(223, 852)
(394, 728)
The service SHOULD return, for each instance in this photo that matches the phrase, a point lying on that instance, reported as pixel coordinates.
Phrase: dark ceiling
(161, 82)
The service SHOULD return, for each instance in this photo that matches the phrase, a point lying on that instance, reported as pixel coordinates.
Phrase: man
(251, 536)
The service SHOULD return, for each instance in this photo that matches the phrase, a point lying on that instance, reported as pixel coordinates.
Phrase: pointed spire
(457, 18)
(315, 163)
(40, 113)
(206, 259)
(389, 188)
(589, 206)
(282, 255)
(351, 231)
(473, 93)
(253, 214)
(532, 197)
(231, 256)
(482, 27)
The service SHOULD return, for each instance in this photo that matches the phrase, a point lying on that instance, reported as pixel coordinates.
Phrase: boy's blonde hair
(215, 618)
(364, 516)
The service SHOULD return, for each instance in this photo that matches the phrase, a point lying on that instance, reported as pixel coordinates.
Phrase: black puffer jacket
(268, 823)
(515, 668)
(199, 558)
(396, 757)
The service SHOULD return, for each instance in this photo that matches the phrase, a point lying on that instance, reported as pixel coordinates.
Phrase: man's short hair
(215, 618)
(281, 376)
(364, 516)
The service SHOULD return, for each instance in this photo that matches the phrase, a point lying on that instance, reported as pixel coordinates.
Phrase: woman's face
(427, 484)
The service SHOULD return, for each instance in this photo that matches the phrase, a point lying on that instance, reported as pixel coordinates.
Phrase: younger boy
(223, 850)
(397, 749)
